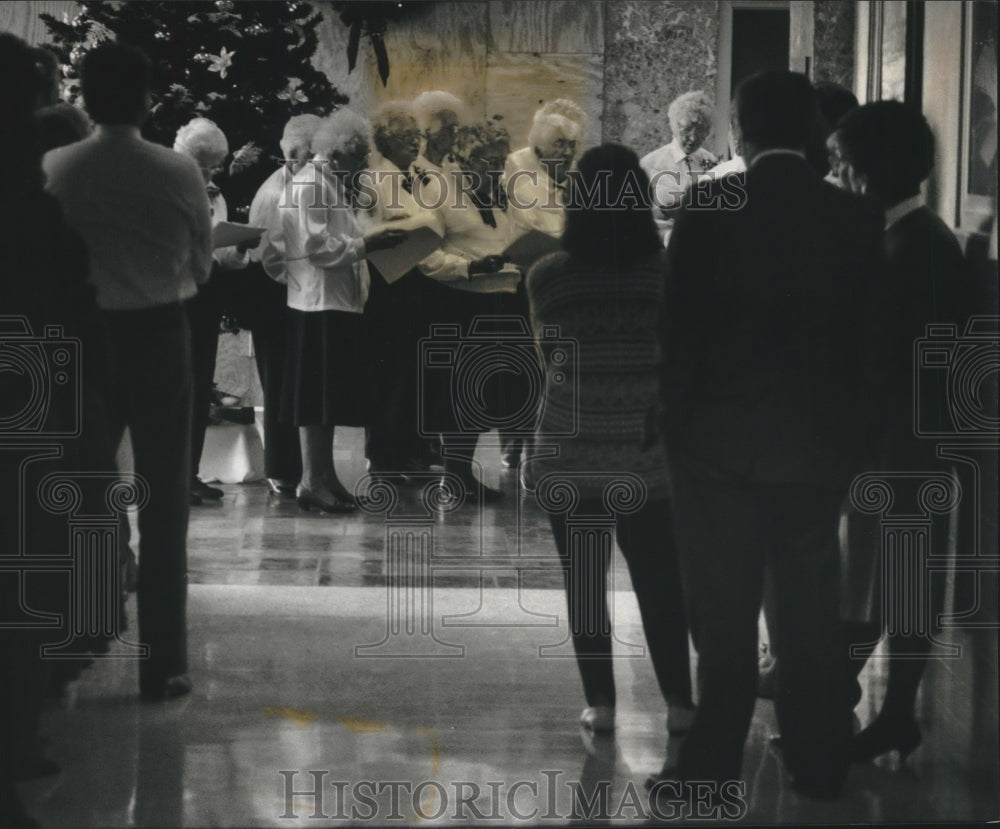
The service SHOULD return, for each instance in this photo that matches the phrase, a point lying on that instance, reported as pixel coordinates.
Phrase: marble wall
(833, 44)
(654, 52)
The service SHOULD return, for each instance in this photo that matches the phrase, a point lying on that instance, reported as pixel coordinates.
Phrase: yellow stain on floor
(300, 718)
(359, 726)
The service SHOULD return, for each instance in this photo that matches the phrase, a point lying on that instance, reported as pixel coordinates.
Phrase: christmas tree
(246, 65)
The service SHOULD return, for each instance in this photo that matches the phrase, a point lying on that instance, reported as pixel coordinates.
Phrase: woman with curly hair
(202, 141)
(322, 258)
(477, 230)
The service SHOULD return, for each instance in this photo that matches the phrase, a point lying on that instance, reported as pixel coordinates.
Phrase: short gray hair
(561, 117)
(388, 119)
(691, 108)
(299, 131)
(200, 137)
(427, 105)
(339, 130)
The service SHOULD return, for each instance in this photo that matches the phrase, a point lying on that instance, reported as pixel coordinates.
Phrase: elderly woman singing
(202, 141)
(324, 263)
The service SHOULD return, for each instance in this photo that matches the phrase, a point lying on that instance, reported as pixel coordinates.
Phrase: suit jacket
(766, 327)
(927, 282)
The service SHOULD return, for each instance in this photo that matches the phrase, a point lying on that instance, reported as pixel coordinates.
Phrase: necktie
(408, 182)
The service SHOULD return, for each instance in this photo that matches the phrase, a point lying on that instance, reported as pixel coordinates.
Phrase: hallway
(482, 728)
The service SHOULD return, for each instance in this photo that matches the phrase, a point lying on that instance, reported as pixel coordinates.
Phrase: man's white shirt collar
(904, 208)
(776, 151)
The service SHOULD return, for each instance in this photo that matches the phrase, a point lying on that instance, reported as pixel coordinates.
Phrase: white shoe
(598, 718)
(680, 718)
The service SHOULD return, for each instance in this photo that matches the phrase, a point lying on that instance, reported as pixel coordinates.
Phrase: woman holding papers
(264, 308)
(535, 181)
(201, 140)
(324, 264)
(603, 294)
(397, 307)
(477, 230)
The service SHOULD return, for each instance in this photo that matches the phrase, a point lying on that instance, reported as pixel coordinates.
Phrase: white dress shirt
(142, 211)
(324, 250)
(265, 211)
(467, 237)
(736, 164)
(680, 171)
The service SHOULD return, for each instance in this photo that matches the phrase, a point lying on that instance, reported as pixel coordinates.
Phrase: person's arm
(445, 267)
(200, 221)
(330, 238)
(234, 257)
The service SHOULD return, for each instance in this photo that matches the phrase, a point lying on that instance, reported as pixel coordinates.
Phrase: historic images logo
(40, 416)
(931, 522)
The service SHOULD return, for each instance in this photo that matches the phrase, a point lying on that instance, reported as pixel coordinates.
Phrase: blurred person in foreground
(603, 294)
(887, 149)
(765, 336)
(144, 215)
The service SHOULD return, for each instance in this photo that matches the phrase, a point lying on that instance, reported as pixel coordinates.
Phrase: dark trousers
(516, 388)
(204, 316)
(150, 393)
(646, 539)
(261, 306)
(397, 319)
(726, 534)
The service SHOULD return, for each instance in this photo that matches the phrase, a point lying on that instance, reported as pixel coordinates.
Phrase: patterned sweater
(611, 319)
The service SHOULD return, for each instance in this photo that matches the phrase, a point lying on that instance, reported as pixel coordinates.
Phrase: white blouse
(468, 238)
(265, 212)
(535, 201)
(324, 249)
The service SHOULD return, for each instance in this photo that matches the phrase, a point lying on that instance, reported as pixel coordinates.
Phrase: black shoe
(883, 735)
(170, 688)
(510, 459)
(307, 499)
(279, 488)
(196, 500)
(206, 492)
(394, 478)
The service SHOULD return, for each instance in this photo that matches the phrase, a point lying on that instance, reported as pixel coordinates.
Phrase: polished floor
(331, 689)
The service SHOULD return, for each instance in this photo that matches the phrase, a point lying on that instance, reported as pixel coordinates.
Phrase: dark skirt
(326, 369)
(467, 389)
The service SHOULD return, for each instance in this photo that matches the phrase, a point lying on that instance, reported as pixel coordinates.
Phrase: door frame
(800, 53)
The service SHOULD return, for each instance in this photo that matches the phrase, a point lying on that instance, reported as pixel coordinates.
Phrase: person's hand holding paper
(231, 234)
(418, 237)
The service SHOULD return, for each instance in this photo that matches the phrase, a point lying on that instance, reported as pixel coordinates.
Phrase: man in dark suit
(765, 340)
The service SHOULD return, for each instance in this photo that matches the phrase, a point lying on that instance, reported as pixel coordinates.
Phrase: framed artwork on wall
(978, 157)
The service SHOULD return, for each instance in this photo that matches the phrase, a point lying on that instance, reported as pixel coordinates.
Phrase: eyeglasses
(494, 163)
